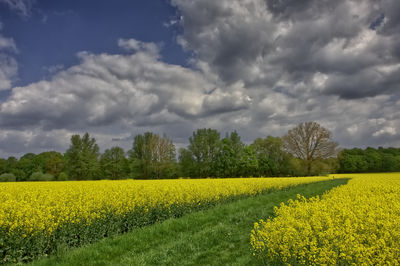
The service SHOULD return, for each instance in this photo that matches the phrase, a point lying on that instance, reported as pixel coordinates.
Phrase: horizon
(177, 146)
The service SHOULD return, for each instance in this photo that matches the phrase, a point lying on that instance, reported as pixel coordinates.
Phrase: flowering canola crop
(36, 217)
(357, 223)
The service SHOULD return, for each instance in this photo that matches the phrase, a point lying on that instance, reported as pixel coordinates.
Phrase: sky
(120, 68)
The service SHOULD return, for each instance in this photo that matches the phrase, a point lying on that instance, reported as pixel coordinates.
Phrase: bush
(19, 174)
(7, 177)
(39, 176)
(63, 176)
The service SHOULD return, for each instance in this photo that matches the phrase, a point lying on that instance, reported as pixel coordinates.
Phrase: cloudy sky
(119, 68)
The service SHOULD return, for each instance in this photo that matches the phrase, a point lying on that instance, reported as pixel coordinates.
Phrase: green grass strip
(217, 236)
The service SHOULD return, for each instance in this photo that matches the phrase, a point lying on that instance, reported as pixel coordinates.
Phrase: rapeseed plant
(37, 217)
(357, 223)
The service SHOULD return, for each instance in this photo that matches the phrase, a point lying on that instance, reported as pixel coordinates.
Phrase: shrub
(7, 177)
(39, 176)
(63, 176)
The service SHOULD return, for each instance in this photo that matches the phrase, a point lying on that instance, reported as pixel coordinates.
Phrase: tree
(27, 164)
(186, 163)
(248, 162)
(229, 157)
(63, 176)
(310, 141)
(3, 166)
(369, 160)
(139, 155)
(39, 176)
(373, 159)
(164, 157)
(152, 156)
(352, 161)
(54, 162)
(272, 159)
(7, 177)
(113, 163)
(11, 163)
(82, 158)
(204, 146)
(390, 163)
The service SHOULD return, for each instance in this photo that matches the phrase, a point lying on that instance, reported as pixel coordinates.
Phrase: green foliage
(29, 163)
(39, 176)
(248, 162)
(3, 166)
(186, 163)
(53, 162)
(204, 147)
(11, 162)
(63, 176)
(207, 155)
(19, 174)
(82, 158)
(369, 160)
(48, 162)
(229, 160)
(7, 177)
(152, 157)
(272, 159)
(325, 166)
(113, 164)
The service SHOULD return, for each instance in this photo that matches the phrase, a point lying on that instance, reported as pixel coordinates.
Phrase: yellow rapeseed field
(357, 223)
(41, 215)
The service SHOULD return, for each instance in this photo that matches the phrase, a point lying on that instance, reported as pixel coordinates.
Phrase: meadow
(38, 219)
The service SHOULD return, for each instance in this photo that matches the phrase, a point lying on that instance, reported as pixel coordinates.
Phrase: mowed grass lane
(217, 236)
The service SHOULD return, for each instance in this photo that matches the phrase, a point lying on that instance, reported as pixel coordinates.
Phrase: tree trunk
(309, 167)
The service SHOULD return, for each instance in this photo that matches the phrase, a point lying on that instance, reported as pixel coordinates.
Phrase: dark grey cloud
(296, 58)
(366, 83)
(246, 40)
(18, 142)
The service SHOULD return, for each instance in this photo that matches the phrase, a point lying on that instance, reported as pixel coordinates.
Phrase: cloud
(259, 42)
(17, 142)
(106, 93)
(386, 130)
(259, 67)
(53, 69)
(138, 46)
(22, 7)
(8, 64)
(313, 60)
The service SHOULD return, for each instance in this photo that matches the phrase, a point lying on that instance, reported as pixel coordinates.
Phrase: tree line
(369, 160)
(305, 150)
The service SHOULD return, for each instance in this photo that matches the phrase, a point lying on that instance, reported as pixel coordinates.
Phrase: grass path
(218, 236)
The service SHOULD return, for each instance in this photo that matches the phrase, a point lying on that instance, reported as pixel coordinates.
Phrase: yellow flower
(357, 223)
(36, 207)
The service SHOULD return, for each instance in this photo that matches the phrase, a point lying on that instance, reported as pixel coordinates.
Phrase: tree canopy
(82, 158)
(152, 157)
